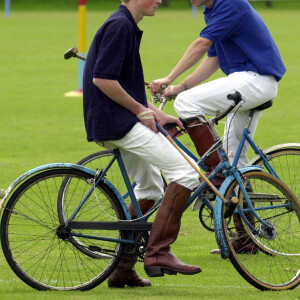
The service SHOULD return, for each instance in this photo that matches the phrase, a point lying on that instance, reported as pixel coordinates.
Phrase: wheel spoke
(37, 249)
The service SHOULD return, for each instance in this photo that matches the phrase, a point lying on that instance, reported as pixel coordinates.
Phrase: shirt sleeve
(112, 52)
(212, 51)
(222, 21)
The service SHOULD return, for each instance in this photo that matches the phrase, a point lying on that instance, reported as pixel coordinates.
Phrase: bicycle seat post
(251, 115)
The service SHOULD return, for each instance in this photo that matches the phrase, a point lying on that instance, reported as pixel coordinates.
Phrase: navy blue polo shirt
(113, 54)
(241, 39)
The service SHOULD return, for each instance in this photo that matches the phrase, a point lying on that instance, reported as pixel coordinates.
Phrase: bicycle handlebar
(237, 98)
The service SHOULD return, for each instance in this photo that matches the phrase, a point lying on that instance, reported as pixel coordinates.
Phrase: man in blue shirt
(237, 41)
(118, 115)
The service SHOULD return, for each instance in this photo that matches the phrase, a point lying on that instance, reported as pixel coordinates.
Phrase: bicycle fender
(218, 217)
(23, 177)
(275, 148)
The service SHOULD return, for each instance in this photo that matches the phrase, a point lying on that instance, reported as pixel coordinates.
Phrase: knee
(188, 177)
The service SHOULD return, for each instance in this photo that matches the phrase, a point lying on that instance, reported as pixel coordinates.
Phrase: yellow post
(82, 47)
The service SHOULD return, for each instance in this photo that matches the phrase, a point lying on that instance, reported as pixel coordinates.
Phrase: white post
(194, 11)
(7, 8)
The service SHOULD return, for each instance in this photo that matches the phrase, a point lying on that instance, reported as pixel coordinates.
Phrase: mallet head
(71, 53)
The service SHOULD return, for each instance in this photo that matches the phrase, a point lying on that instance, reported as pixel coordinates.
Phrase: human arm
(165, 119)
(205, 69)
(193, 54)
(115, 92)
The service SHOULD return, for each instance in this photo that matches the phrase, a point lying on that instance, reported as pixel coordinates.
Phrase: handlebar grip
(170, 125)
(236, 97)
(231, 207)
(161, 129)
(164, 86)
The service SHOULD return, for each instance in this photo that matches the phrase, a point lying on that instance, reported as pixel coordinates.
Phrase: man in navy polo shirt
(118, 115)
(237, 41)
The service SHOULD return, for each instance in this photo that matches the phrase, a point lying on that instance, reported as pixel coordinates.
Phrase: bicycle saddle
(263, 106)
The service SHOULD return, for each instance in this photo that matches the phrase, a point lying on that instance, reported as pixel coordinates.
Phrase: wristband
(141, 116)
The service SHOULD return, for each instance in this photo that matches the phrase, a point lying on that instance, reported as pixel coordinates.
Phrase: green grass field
(39, 125)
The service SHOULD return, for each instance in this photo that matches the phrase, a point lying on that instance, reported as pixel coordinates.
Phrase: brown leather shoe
(120, 278)
(158, 259)
(168, 264)
(243, 244)
(124, 273)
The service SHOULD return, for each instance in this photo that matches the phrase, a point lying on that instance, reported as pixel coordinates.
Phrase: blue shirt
(241, 39)
(113, 54)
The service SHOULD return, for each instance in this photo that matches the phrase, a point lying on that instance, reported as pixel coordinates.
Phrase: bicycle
(64, 226)
(282, 161)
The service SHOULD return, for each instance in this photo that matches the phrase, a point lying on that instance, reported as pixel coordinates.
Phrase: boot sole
(157, 271)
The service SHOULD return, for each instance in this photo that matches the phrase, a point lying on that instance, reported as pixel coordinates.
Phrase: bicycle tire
(268, 268)
(206, 218)
(30, 226)
(286, 163)
(99, 161)
(95, 161)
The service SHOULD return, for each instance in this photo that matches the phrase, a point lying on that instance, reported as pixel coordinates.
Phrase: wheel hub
(63, 233)
(268, 232)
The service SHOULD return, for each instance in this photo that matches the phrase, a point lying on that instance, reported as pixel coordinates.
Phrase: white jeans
(145, 153)
(208, 98)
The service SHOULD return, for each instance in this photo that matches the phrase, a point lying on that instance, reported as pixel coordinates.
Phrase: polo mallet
(73, 53)
(234, 200)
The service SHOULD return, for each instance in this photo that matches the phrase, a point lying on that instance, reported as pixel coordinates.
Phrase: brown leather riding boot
(158, 259)
(124, 273)
(203, 139)
(243, 243)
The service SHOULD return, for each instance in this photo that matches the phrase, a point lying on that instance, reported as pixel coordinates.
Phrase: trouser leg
(210, 97)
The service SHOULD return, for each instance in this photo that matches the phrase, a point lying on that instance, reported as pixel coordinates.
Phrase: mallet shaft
(191, 163)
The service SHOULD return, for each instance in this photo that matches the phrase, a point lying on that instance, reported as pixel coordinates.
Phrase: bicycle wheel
(35, 247)
(274, 263)
(286, 163)
(206, 217)
(99, 161)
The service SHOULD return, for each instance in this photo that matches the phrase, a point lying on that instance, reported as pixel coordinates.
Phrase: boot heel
(169, 272)
(154, 271)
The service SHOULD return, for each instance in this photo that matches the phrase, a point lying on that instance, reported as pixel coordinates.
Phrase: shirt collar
(127, 13)
(209, 8)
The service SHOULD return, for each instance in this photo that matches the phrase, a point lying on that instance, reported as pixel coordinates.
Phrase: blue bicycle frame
(246, 137)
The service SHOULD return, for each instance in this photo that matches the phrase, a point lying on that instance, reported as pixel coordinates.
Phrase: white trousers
(208, 98)
(145, 153)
